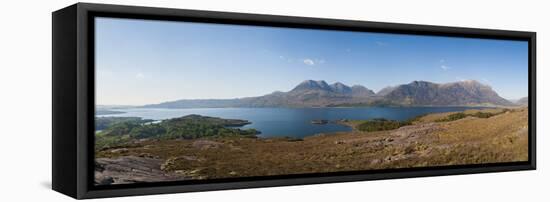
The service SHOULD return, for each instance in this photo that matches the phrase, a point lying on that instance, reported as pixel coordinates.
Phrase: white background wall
(25, 102)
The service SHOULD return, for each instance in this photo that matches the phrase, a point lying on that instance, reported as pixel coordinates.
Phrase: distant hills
(312, 93)
(523, 101)
(464, 93)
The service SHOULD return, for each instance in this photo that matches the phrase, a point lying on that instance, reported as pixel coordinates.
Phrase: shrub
(460, 115)
(412, 120)
(148, 131)
(103, 142)
(452, 117)
(483, 115)
(120, 129)
(379, 125)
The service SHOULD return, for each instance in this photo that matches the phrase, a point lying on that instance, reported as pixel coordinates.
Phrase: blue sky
(145, 61)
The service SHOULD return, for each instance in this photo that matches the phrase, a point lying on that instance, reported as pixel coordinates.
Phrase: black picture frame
(73, 102)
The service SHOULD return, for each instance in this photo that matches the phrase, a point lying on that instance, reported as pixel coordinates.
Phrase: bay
(289, 122)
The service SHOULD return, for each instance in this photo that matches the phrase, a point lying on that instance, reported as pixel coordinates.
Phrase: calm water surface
(291, 122)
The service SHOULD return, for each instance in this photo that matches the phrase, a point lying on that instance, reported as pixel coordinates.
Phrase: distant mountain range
(312, 93)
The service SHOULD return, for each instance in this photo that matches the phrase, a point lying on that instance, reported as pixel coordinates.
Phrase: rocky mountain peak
(340, 88)
(312, 85)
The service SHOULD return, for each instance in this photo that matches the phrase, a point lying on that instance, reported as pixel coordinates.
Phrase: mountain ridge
(318, 93)
(469, 92)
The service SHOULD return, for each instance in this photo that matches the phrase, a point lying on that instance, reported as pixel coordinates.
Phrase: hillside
(523, 101)
(427, 141)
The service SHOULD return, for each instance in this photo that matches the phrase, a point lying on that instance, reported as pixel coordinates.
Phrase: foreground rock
(131, 169)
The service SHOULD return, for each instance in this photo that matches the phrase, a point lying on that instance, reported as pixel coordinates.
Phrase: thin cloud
(443, 65)
(313, 62)
(309, 62)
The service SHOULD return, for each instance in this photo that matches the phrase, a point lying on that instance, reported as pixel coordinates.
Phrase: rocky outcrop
(131, 169)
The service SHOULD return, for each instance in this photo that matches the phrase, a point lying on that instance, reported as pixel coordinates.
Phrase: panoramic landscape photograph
(182, 101)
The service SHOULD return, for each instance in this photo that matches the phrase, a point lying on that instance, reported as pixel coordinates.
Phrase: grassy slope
(501, 138)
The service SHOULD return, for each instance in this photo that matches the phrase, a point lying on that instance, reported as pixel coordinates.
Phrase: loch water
(290, 122)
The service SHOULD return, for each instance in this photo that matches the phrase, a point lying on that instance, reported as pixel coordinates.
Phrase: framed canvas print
(154, 100)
